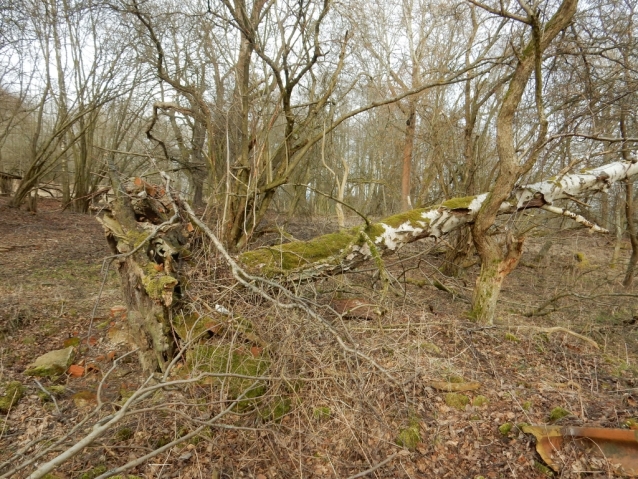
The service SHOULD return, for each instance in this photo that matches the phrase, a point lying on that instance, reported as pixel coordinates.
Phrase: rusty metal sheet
(618, 447)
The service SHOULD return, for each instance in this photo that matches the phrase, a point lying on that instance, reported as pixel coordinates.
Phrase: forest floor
(345, 415)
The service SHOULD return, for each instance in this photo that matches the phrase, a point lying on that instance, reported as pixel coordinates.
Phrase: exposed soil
(345, 416)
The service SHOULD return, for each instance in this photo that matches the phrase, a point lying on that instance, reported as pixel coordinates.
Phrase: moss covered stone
(457, 401)
(14, 391)
(558, 413)
(52, 363)
(223, 359)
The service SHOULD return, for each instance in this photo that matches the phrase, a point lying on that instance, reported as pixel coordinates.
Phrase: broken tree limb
(346, 249)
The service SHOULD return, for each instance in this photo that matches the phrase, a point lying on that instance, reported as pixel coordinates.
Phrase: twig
(55, 403)
(375, 467)
(296, 302)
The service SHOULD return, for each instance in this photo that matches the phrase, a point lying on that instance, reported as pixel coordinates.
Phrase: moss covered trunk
(148, 259)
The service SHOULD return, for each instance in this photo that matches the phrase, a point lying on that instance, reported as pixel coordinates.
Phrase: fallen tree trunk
(345, 250)
(149, 233)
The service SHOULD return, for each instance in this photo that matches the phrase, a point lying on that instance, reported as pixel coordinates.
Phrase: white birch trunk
(342, 251)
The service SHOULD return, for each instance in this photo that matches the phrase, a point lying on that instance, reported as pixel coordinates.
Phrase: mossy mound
(512, 338)
(14, 391)
(430, 348)
(277, 408)
(480, 401)
(222, 359)
(410, 436)
(190, 326)
(55, 391)
(93, 473)
(457, 401)
(75, 342)
(321, 413)
(505, 429)
(558, 413)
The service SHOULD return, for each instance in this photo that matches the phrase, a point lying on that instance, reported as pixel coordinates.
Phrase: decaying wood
(345, 250)
(149, 241)
(149, 231)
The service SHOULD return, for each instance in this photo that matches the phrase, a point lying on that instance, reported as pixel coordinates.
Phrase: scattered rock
(52, 363)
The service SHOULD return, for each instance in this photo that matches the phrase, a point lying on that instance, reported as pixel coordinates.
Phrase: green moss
(430, 348)
(123, 434)
(512, 338)
(188, 326)
(413, 217)
(294, 255)
(28, 340)
(75, 342)
(558, 413)
(454, 378)
(480, 401)
(321, 413)
(543, 469)
(277, 408)
(56, 391)
(505, 429)
(410, 436)
(527, 405)
(581, 259)
(156, 283)
(134, 238)
(93, 473)
(14, 391)
(459, 203)
(221, 359)
(416, 282)
(457, 401)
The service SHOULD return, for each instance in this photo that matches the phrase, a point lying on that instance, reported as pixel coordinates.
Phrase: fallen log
(149, 232)
(346, 249)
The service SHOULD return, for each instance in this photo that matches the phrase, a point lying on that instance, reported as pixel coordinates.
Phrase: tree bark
(510, 169)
